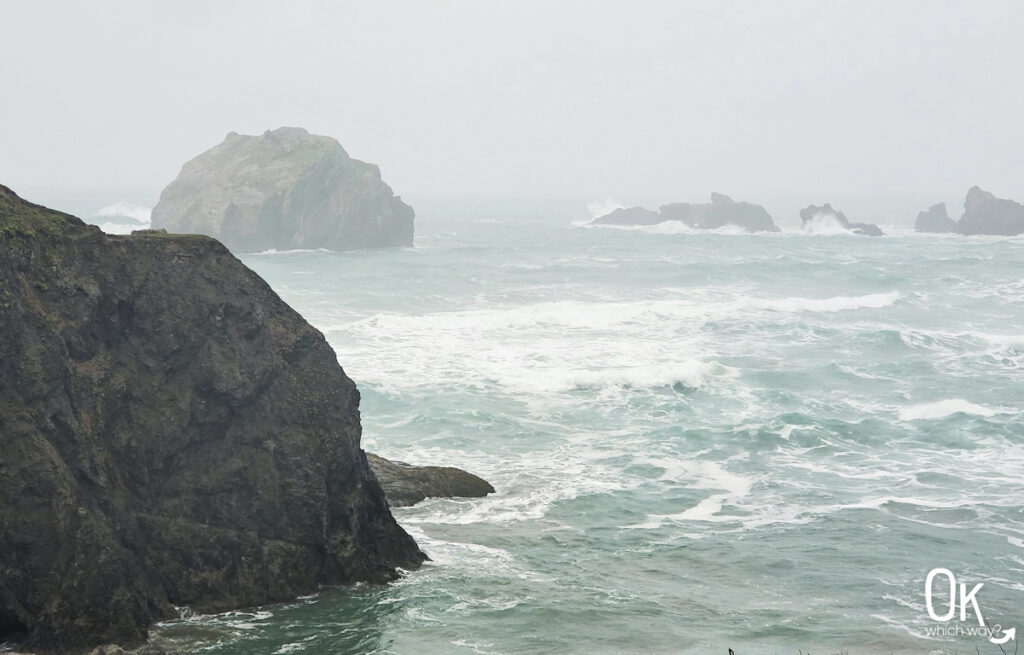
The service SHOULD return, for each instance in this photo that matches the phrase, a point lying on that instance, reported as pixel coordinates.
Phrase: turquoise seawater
(699, 440)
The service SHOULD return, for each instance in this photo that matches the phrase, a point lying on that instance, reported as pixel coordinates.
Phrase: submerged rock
(629, 216)
(935, 220)
(986, 214)
(405, 484)
(171, 434)
(285, 189)
(721, 211)
(814, 214)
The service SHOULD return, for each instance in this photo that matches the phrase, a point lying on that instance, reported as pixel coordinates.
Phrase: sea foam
(943, 408)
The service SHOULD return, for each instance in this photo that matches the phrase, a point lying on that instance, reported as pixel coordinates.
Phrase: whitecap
(833, 304)
(943, 408)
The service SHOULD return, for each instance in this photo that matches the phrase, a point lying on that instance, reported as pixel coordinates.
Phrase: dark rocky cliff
(284, 189)
(171, 433)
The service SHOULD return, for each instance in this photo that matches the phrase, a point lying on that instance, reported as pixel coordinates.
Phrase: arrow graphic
(1007, 636)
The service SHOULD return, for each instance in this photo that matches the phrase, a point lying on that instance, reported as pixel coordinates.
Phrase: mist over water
(699, 440)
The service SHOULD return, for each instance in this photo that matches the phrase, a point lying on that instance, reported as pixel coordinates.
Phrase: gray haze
(882, 105)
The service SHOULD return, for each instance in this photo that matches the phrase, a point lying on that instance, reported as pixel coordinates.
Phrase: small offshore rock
(405, 484)
(935, 220)
(629, 216)
(813, 213)
(720, 212)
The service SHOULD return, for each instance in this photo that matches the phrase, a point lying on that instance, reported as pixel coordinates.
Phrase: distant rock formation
(935, 220)
(283, 190)
(986, 214)
(630, 216)
(814, 213)
(171, 434)
(720, 212)
(404, 484)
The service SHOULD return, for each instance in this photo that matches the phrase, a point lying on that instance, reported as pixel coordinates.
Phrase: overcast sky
(626, 100)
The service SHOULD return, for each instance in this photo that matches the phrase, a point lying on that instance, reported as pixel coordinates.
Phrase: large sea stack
(986, 214)
(285, 189)
(171, 433)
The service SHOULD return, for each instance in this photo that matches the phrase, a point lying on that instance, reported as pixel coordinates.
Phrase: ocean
(699, 440)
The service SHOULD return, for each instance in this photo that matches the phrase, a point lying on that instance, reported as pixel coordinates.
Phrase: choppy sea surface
(699, 440)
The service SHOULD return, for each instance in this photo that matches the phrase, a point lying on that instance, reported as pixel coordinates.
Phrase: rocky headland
(814, 216)
(284, 189)
(171, 434)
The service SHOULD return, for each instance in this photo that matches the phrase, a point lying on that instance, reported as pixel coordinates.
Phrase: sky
(893, 104)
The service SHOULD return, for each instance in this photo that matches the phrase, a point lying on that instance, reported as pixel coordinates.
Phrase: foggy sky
(632, 100)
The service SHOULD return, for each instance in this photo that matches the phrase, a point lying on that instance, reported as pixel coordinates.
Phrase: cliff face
(284, 189)
(171, 433)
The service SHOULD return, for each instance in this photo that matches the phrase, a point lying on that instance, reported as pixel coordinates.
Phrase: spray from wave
(138, 213)
(122, 218)
(604, 207)
(822, 224)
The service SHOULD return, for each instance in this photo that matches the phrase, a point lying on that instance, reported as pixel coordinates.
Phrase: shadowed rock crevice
(171, 433)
